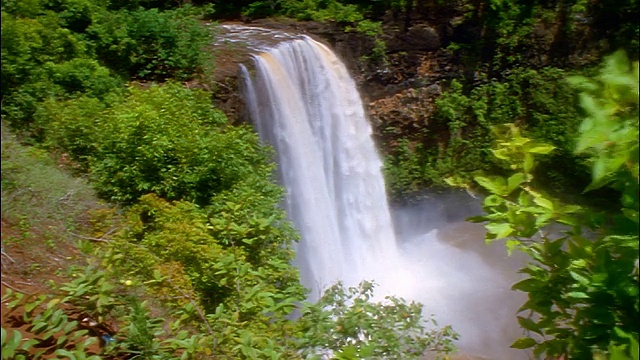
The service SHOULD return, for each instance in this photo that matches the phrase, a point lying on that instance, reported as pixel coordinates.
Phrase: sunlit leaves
(583, 282)
(499, 231)
(516, 150)
(348, 318)
(523, 343)
(610, 131)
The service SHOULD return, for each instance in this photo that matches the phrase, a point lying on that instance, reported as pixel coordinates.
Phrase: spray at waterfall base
(305, 104)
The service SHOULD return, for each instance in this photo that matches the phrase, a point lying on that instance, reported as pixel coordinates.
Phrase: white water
(304, 103)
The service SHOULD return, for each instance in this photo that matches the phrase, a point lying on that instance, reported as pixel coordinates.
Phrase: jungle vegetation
(189, 253)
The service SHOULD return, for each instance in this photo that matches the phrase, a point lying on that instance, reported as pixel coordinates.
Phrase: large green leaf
(514, 181)
(524, 343)
(495, 184)
(528, 285)
(540, 148)
(500, 230)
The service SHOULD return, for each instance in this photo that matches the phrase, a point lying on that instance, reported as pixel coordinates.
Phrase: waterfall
(304, 103)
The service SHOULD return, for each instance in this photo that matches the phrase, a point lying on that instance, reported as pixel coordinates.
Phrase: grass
(38, 197)
(45, 214)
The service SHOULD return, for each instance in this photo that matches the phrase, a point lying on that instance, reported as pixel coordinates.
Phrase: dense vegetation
(582, 281)
(194, 255)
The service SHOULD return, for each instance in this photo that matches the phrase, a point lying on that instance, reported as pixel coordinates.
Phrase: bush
(582, 282)
(460, 136)
(346, 322)
(150, 44)
(82, 76)
(167, 140)
(43, 60)
(322, 11)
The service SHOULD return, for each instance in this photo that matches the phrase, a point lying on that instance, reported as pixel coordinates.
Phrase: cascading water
(304, 103)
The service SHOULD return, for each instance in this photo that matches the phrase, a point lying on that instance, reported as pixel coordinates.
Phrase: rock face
(401, 91)
(398, 91)
(418, 38)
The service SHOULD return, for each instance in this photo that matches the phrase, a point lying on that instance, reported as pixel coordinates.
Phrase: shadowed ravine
(304, 103)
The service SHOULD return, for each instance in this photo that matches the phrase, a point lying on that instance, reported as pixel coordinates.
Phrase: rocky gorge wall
(398, 93)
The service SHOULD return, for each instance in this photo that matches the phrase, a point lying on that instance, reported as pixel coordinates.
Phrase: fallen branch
(8, 257)
(100, 239)
(89, 238)
(16, 289)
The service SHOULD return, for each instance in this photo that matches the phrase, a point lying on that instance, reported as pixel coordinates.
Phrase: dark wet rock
(418, 38)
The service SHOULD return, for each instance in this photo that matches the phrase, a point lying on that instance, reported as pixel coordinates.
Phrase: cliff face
(398, 91)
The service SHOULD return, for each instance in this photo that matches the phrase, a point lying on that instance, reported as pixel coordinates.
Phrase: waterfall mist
(304, 103)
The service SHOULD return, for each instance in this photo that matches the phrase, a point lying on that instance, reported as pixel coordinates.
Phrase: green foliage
(583, 279)
(151, 44)
(405, 170)
(82, 76)
(609, 133)
(64, 49)
(507, 26)
(378, 54)
(49, 330)
(260, 9)
(369, 28)
(322, 10)
(101, 301)
(68, 127)
(35, 52)
(36, 191)
(167, 140)
(211, 250)
(30, 43)
(460, 131)
(227, 259)
(348, 323)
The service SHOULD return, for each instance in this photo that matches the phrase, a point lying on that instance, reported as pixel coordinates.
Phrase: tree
(583, 278)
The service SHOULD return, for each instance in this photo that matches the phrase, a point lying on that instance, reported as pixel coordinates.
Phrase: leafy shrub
(55, 50)
(232, 261)
(150, 44)
(209, 247)
(82, 76)
(49, 331)
(75, 15)
(347, 322)
(27, 44)
(93, 303)
(41, 59)
(583, 279)
(460, 130)
(54, 82)
(322, 10)
(168, 140)
(69, 127)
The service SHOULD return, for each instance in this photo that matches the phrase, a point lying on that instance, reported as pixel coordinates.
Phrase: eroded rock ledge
(398, 93)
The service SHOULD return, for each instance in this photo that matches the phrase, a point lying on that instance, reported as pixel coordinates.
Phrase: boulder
(418, 38)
